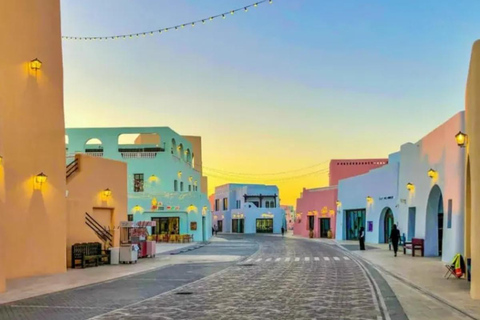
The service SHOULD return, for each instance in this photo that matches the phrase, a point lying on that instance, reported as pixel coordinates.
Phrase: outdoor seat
(456, 268)
(415, 244)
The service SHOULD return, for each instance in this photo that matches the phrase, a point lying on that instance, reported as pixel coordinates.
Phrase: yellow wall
(85, 195)
(472, 114)
(32, 132)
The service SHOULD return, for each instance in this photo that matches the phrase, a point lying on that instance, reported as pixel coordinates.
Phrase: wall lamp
(153, 178)
(107, 193)
(339, 203)
(204, 211)
(137, 209)
(35, 64)
(179, 174)
(190, 179)
(461, 139)
(1, 160)
(410, 186)
(432, 173)
(369, 199)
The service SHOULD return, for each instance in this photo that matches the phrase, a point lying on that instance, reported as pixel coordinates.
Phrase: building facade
(369, 200)
(248, 208)
(289, 216)
(316, 208)
(163, 182)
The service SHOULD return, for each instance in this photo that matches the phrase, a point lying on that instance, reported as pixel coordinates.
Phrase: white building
(369, 201)
(248, 208)
(421, 190)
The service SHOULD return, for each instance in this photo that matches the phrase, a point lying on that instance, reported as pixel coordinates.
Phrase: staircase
(102, 233)
(72, 167)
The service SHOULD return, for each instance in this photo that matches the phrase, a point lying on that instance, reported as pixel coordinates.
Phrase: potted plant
(310, 234)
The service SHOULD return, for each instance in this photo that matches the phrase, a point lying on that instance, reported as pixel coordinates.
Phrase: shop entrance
(166, 225)
(355, 219)
(385, 224)
(238, 225)
(220, 226)
(264, 225)
(311, 223)
(324, 227)
(203, 229)
(434, 223)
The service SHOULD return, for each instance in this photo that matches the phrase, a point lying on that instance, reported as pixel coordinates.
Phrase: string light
(159, 31)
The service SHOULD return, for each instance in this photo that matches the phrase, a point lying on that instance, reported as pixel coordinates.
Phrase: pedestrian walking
(216, 229)
(394, 238)
(283, 230)
(213, 231)
(361, 238)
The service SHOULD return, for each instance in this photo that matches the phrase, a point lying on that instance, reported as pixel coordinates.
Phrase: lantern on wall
(461, 139)
(35, 64)
(369, 199)
(153, 178)
(339, 203)
(410, 186)
(179, 174)
(432, 173)
(107, 193)
(39, 180)
(137, 209)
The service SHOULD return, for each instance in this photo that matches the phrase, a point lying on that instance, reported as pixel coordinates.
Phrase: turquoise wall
(164, 165)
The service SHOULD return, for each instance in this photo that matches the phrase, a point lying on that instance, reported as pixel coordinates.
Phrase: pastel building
(248, 208)
(164, 183)
(289, 216)
(369, 200)
(421, 190)
(316, 208)
(42, 207)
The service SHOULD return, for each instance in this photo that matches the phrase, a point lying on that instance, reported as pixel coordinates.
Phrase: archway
(434, 223)
(385, 225)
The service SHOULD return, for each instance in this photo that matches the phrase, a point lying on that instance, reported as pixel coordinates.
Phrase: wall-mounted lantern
(1, 160)
(432, 173)
(106, 193)
(369, 199)
(40, 180)
(339, 203)
(179, 174)
(204, 211)
(195, 182)
(410, 186)
(137, 209)
(461, 139)
(153, 178)
(35, 64)
(190, 179)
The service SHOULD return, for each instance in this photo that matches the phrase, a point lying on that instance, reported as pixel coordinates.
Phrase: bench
(415, 244)
(88, 254)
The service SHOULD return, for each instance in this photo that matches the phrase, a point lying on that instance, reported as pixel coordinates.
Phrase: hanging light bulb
(270, 2)
(211, 18)
(246, 9)
(232, 12)
(255, 5)
(223, 16)
(193, 24)
(203, 21)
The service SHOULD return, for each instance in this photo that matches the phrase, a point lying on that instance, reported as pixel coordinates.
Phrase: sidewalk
(423, 273)
(23, 288)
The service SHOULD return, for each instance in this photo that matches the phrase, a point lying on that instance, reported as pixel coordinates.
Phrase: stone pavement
(286, 279)
(33, 286)
(433, 296)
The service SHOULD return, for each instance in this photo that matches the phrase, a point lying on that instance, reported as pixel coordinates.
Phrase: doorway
(324, 227)
(203, 229)
(264, 225)
(238, 225)
(434, 223)
(311, 223)
(167, 225)
(386, 224)
(220, 225)
(355, 219)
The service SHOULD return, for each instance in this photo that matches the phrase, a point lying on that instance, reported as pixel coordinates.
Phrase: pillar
(472, 114)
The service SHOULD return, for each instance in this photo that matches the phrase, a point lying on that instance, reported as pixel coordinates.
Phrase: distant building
(289, 216)
(164, 181)
(248, 208)
(316, 208)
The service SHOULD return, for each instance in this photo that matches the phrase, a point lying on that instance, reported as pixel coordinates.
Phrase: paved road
(285, 279)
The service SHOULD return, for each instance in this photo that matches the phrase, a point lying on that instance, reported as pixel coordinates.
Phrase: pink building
(317, 208)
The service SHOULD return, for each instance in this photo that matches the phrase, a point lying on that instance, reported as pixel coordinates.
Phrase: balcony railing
(139, 155)
(95, 153)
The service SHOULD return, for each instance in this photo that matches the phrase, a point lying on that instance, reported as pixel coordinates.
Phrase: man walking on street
(283, 230)
(394, 237)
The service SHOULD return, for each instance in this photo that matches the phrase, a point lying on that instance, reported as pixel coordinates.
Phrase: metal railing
(72, 167)
(102, 233)
(139, 155)
(95, 154)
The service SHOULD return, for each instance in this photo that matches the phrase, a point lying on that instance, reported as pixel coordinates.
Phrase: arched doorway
(385, 225)
(434, 223)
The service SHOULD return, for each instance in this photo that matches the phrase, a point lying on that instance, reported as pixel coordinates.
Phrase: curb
(193, 246)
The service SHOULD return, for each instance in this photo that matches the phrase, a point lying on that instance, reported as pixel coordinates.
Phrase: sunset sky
(282, 88)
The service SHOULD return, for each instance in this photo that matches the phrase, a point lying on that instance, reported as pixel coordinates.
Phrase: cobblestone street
(285, 279)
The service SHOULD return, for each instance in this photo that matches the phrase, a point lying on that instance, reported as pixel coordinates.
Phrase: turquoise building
(165, 181)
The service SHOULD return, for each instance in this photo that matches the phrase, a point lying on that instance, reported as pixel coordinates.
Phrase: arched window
(188, 156)
(94, 147)
(175, 185)
(180, 151)
(181, 185)
(174, 146)
(272, 204)
(267, 204)
(193, 160)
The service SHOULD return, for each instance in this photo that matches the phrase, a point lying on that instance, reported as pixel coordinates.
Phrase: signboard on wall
(369, 226)
(193, 226)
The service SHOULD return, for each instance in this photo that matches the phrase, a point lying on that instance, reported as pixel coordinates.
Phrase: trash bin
(114, 255)
(469, 267)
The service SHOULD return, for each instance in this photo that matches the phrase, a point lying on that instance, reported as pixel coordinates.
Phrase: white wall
(381, 185)
(439, 151)
(252, 213)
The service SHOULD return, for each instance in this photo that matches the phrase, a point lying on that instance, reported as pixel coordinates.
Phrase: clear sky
(281, 87)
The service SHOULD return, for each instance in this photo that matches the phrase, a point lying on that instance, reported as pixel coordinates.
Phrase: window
(267, 204)
(272, 204)
(412, 213)
(175, 185)
(225, 204)
(256, 204)
(217, 204)
(130, 217)
(239, 204)
(138, 182)
(189, 187)
(181, 185)
(449, 214)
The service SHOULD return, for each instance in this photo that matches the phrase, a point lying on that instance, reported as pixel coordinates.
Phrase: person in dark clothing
(213, 231)
(283, 231)
(394, 238)
(361, 238)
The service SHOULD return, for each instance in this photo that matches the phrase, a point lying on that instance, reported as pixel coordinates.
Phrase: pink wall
(85, 195)
(342, 169)
(319, 200)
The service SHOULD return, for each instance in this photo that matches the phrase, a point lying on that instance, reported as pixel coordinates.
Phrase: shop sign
(267, 215)
(238, 216)
(386, 198)
(193, 225)
(137, 224)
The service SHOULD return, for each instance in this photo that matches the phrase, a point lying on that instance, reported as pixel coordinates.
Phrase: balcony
(94, 152)
(140, 153)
